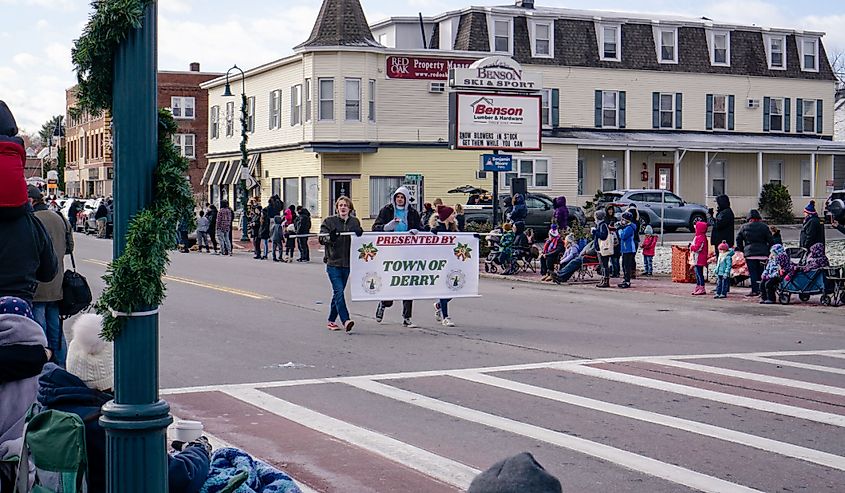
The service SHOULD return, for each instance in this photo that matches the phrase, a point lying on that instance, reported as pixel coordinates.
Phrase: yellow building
(629, 101)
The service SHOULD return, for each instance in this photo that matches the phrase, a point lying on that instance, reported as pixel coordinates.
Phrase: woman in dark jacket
(812, 231)
(520, 210)
(755, 241)
(212, 224)
(264, 230)
(561, 213)
(723, 222)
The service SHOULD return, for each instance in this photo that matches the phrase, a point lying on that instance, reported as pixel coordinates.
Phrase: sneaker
(448, 323)
(409, 324)
(623, 285)
(752, 294)
(437, 315)
(332, 326)
(379, 313)
(348, 325)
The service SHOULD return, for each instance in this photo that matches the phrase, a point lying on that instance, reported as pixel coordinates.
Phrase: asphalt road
(610, 390)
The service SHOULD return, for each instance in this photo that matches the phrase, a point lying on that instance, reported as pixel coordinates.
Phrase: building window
(185, 143)
(809, 54)
(776, 114)
(326, 110)
(610, 42)
(381, 191)
(610, 109)
(371, 100)
(291, 191)
(667, 45)
(307, 100)
(776, 51)
(720, 112)
(535, 172)
(276, 186)
(250, 114)
(546, 107)
(275, 119)
(311, 194)
(215, 122)
(295, 105)
(776, 172)
(808, 116)
(580, 176)
(720, 48)
(667, 110)
(542, 39)
(501, 35)
(382, 39)
(608, 175)
(182, 107)
(230, 119)
(718, 176)
(806, 172)
(353, 99)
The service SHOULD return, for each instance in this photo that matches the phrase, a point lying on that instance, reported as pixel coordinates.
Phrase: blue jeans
(570, 268)
(614, 263)
(338, 276)
(266, 243)
(444, 307)
(648, 264)
(47, 316)
(699, 275)
(722, 285)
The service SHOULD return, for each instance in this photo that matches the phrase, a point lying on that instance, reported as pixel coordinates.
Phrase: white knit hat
(89, 357)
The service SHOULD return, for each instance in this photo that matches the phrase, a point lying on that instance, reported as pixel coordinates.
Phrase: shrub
(776, 203)
(590, 205)
(481, 228)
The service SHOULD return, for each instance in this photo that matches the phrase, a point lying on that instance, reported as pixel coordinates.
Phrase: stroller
(805, 285)
(835, 285)
(492, 262)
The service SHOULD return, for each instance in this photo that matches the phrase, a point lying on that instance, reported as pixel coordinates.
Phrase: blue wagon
(805, 285)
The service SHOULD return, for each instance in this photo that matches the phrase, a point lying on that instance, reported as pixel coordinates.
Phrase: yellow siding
(692, 177)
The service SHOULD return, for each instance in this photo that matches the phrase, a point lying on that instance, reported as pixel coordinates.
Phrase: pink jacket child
(699, 248)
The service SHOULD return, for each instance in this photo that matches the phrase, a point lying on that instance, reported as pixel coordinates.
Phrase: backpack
(76, 295)
(54, 443)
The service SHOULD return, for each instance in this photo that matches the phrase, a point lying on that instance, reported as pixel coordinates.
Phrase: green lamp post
(227, 93)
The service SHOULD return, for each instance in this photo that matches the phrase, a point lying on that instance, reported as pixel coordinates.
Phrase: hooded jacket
(699, 244)
(816, 259)
(561, 213)
(723, 268)
(754, 239)
(626, 234)
(723, 226)
(303, 222)
(384, 221)
(520, 210)
(778, 265)
(12, 159)
(812, 232)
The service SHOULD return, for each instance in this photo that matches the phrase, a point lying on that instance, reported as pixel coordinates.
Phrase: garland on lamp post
(133, 280)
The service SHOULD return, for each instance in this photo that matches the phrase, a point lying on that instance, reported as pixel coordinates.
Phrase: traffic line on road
(835, 355)
(728, 435)
(446, 470)
(201, 284)
(793, 364)
(735, 400)
(630, 460)
(756, 377)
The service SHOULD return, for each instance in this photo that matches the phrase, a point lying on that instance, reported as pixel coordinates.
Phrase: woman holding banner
(337, 246)
(444, 221)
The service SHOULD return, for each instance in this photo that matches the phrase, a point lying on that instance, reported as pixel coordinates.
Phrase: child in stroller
(495, 241)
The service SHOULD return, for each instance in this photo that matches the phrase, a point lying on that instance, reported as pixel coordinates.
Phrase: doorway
(664, 176)
(339, 187)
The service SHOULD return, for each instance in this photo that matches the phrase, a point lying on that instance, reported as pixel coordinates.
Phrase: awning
(693, 141)
(209, 171)
(218, 173)
(233, 174)
(341, 147)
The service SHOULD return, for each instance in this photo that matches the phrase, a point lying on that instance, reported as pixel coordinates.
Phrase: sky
(37, 35)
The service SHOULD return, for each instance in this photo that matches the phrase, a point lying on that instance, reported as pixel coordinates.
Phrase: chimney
(195, 67)
(526, 4)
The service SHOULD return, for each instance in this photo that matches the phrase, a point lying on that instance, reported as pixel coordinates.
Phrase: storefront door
(340, 187)
(664, 176)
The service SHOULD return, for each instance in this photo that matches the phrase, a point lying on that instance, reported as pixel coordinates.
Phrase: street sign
(497, 162)
(486, 121)
(412, 177)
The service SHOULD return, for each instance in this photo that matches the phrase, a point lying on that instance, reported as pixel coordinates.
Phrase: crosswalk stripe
(736, 400)
(630, 460)
(793, 364)
(757, 377)
(768, 445)
(834, 355)
(443, 469)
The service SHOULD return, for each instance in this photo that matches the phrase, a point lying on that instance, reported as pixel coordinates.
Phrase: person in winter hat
(398, 216)
(519, 211)
(552, 250)
(723, 270)
(816, 259)
(444, 221)
(777, 268)
(518, 474)
(23, 351)
(812, 231)
(754, 240)
(723, 222)
(700, 253)
(649, 246)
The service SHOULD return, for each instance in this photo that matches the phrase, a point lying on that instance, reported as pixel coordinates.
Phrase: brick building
(90, 167)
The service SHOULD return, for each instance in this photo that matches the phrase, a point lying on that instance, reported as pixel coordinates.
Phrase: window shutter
(819, 115)
(622, 109)
(655, 110)
(679, 106)
(731, 101)
(292, 107)
(708, 120)
(270, 113)
(598, 119)
(767, 107)
(555, 108)
(799, 112)
(787, 114)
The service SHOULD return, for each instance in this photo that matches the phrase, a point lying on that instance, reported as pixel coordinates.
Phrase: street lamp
(227, 93)
(56, 133)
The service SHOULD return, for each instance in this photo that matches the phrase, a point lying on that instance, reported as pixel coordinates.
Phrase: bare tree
(837, 63)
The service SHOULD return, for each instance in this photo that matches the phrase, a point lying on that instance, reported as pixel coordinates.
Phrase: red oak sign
(422, 68)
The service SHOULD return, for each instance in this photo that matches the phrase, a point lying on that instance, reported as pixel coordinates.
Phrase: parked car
(540, 211)
(88, 209)
(64, 206)
(676, 212)
(837, 194)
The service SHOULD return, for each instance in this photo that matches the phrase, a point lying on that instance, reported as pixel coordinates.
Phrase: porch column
(627, 168)
(677, 184)
(759, 173)
(706, 175)
(813, 175)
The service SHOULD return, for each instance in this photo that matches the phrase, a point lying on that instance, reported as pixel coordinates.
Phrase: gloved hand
(359, 232)
(333, 235)
(201, 442)
(414, 231)
(476, 235)
(434, 231)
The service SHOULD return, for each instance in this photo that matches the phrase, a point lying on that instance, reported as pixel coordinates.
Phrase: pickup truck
(539, 218)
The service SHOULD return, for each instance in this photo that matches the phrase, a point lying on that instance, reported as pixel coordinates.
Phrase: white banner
(496, 121)
(402, 266)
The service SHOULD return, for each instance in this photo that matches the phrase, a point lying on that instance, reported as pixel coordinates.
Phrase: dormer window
(542, 39)
(501, 34)
(610, 42)
(720, 48)
(776, 52)
(667, 45)
(809, 48)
